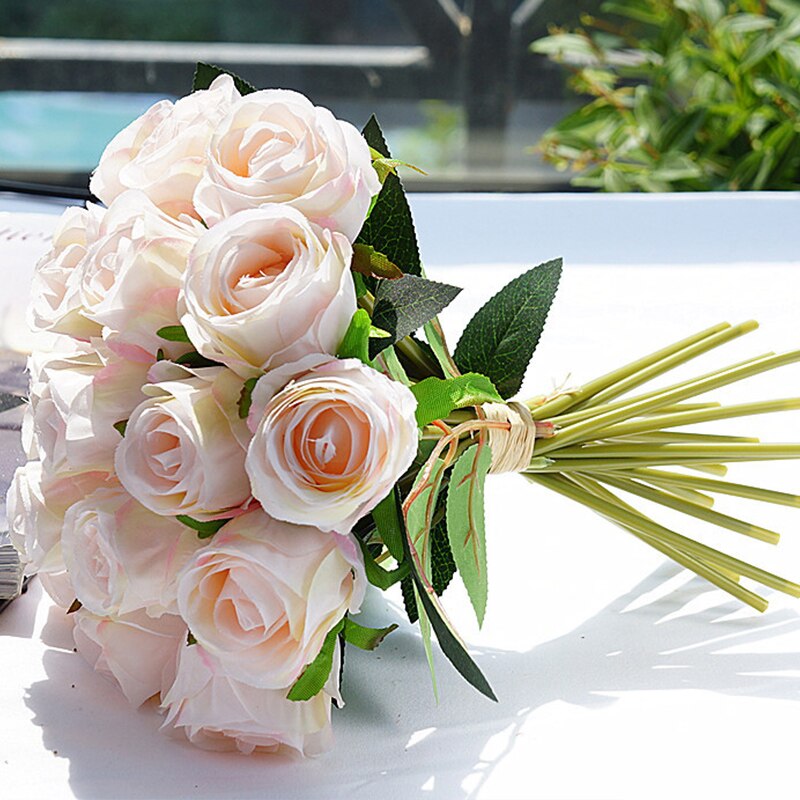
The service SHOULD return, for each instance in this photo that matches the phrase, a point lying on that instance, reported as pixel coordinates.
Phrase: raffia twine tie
(512, 449)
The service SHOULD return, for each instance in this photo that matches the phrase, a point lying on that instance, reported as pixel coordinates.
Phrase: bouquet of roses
(235, 425)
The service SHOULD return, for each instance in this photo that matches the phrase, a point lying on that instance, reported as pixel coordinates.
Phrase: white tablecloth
(619, 675)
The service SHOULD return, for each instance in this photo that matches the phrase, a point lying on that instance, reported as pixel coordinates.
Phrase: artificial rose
(129, 280)
(217, 712)
(35, 507)
(76, 399)
(55, 303)
(265, 287)
(275, 146)
(262, 596)
(122, 557)
(134, 651)
(163, 151)
(331, 439)
(183, 451)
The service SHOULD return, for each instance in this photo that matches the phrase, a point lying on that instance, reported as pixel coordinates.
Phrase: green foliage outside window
(685, 95)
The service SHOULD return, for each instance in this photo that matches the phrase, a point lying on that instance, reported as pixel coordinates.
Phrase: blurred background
(497, 95)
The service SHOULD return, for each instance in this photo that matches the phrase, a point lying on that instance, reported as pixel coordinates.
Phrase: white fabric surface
(619, 675)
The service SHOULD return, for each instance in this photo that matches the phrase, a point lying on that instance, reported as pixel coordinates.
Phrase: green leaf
(205, 530)
(196, 361)
(436, 339)
(204, 75)
(121, 426)
(355, 343)
(363, 637)
(368, 261)
(389, 228)
(246, 397)
(313, 678)
(436, 398)
(377, 575)
(465, 523)
(500, 339)
(420, 510)
(9, 401)
(408, 589)
(404, 305)
(173, 333)
(190, 639)
(443, 566)
(388, 518)
(425, 632)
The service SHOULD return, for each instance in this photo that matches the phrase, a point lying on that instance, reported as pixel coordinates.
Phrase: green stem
(717, 452)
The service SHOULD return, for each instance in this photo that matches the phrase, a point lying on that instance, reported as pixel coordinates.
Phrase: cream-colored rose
(183, 451)
(35, 507)
(275, 146)
(265, 287)
(134, 651)
(76, 399)
(55, 303)
(331, 439)
(163, 152)
(217, 712)
(129, 280)
(262, 596)
(122, 557)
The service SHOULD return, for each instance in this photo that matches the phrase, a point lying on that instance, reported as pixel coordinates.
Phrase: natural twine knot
(512, 448)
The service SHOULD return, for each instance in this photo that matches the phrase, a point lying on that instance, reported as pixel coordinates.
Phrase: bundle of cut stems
(601, 444)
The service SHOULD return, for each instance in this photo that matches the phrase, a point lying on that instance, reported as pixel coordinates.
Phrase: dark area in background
(478, 58)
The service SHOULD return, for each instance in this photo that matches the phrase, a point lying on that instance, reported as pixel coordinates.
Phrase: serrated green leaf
(205, 530)
(368, 261)
(443, 566)
(436, 398)
(363, 637)
(465, 523)
(389, 228)
(500, 339)
(313, 678)
(420, 510)
(173, 333)
(404, 305)
(408, 589)
(204, 75)
(246, 397)
(355, 343)
(9, 401)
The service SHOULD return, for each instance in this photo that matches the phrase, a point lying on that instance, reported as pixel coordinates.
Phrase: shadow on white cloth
(391, 740)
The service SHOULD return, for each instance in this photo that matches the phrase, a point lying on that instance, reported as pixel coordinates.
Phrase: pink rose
(136, 652)
(331, 439)
(275, 146)
(217, 712)
(265, 287)
(183, 451)
(262, 596)
(122, 557)
(163, 152)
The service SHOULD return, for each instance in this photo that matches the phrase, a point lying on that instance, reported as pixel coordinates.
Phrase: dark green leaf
(313, 678)
(204, 75)
(173, 333)
(409, 598)
(355, 343)
(196, 361)
(436, 398)
(465, 523)
(443, 566)
(9, 401)
(246, 397)
(121, 426)
(500, 339)
(205, 530)
(377, 575)
(404, 305)
(363, 637)
(190, 640)
(388, 518)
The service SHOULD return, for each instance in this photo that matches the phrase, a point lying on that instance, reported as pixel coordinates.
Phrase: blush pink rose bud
(122, 557)
(275, 146)
(163, 152)
(331, 439)
(262, 596)
(217, 712)
(182, 452)
(265, 287)
(134, 651)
